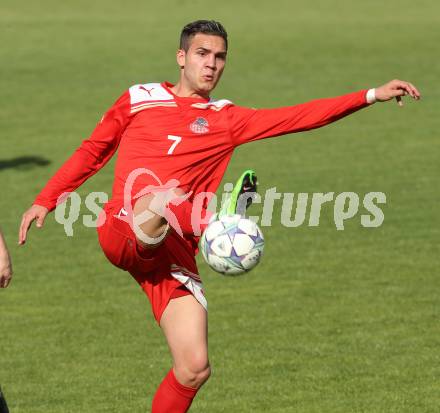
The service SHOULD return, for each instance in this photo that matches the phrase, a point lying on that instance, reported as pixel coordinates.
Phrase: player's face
(203, 63)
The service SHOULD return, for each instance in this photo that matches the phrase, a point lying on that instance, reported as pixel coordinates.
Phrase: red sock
(191, 219)
(172, 397)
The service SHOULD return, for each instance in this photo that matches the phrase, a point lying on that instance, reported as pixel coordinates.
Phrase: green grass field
(331, 321)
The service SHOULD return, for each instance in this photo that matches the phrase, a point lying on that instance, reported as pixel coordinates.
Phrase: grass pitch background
(331, 321)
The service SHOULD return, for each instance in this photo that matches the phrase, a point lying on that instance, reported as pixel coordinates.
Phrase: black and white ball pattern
(232, 245)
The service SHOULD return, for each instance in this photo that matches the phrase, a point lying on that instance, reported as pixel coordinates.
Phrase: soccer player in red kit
(174, 136)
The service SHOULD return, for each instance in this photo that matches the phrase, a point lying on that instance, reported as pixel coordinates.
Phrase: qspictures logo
(297, 209)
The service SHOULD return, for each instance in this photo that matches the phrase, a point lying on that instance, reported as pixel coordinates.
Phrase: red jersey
(187, 139)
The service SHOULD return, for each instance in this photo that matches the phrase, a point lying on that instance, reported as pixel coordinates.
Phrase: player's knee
(195, 373)
(150, 227)
(204, 374)
(152, 235)
(198, 377)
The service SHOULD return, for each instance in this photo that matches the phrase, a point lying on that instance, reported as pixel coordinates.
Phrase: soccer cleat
(242, 195)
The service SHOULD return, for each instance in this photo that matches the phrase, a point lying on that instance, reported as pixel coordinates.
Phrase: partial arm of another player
(248, 125)
(88, 159)
(5, 264)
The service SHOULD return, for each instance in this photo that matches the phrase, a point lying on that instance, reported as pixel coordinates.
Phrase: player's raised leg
(155, 213)
(152, 209)
(184, 323)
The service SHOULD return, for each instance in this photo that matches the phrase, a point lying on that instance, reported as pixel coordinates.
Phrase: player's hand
(5, 269)
(396, 89)
(35, 212)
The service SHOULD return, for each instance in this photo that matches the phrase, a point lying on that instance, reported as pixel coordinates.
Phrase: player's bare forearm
(5, 264)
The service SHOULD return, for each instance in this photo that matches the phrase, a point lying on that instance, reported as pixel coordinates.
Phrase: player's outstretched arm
(34, 213)
(5, 264)
(247, 125)
(396, 89)
(89, 158)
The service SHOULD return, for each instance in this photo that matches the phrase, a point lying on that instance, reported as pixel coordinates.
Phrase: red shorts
(166, 272)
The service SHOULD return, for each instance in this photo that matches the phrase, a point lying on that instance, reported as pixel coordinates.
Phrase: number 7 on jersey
(176, 140)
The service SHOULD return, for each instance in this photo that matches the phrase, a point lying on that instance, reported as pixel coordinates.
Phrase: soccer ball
(232, 245)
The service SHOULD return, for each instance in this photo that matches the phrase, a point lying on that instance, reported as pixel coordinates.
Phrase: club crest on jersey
(200, 125)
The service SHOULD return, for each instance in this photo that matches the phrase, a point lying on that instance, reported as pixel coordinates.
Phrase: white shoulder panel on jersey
(213, 104)
(149, 95)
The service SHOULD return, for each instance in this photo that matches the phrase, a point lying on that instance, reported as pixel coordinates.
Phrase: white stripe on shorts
(195, 287)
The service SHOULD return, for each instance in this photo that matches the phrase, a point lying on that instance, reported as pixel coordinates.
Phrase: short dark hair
(202, 26)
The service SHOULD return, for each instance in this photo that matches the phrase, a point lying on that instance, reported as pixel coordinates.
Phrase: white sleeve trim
(371, 96)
